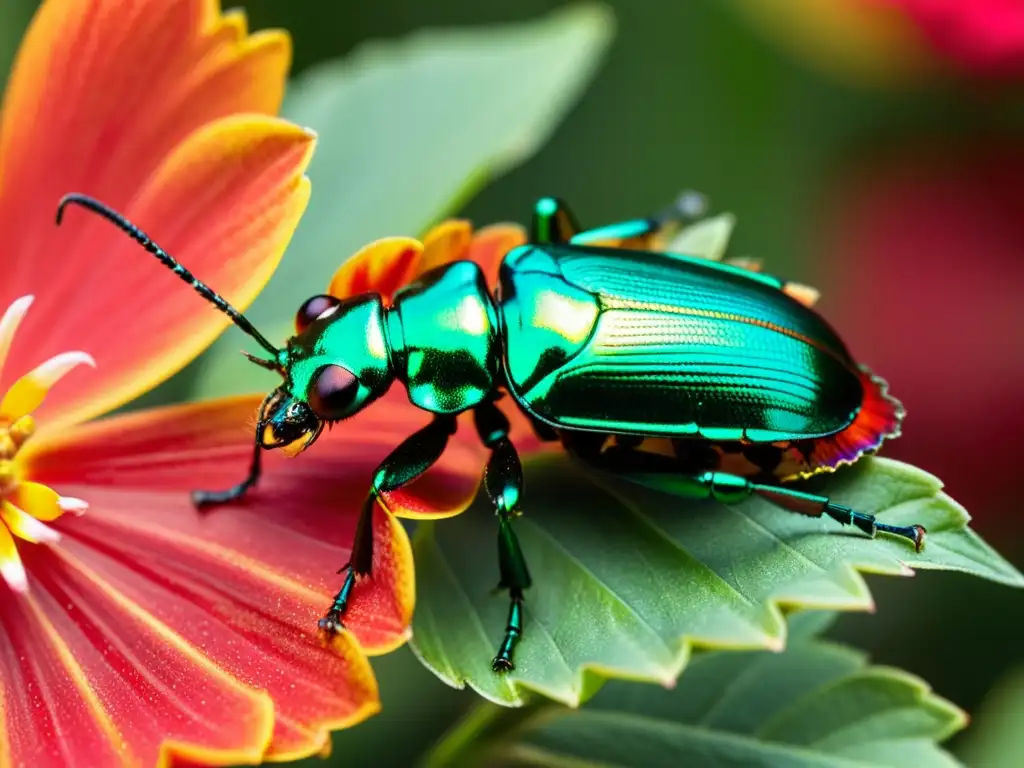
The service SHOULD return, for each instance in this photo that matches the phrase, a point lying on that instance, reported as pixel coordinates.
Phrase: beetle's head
(335, 365)
(287, 422)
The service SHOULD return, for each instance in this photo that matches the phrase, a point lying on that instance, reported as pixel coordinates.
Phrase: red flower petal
(225, 202)
(144, 688)
(984, 37)
(246, 583)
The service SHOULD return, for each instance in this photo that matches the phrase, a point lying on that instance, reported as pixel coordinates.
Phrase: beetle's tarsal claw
(916, 533)
(204, 500)
(502, 664)
(331, 623)
(919, 533)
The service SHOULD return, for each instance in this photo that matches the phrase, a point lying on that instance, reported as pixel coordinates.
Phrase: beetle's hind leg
(656, 471)
(503, 481)
(814, 505)
(206, 499)
(650, 233)
(732, 489)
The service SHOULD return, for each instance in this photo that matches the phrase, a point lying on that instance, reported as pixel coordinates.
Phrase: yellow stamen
(25, 506)
(27, 393)
(22, 429)
(8, 475)
(40, 501)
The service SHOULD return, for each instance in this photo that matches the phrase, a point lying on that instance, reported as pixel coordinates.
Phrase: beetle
(640, 362)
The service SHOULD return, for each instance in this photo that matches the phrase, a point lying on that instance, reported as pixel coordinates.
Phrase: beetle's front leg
(503, 481)
(408, 461)
(204, 499)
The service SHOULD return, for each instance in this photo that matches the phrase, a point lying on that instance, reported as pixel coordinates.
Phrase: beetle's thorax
(442, 334)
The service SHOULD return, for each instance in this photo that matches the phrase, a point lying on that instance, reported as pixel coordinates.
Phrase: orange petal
(745, 262)
(490, 245)
(101, 92)
(805, 294)
(383, 267)
(255, 575)
(144, 688)
(446, 242)
(225, 202)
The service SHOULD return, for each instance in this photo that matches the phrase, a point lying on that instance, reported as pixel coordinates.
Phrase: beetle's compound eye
(332, 391)
(311, 309)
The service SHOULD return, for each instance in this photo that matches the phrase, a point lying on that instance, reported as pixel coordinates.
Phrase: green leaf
(816, 704)
(627, 580)
(996, 738)
(407, 132)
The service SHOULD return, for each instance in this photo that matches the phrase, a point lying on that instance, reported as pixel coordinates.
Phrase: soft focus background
(880, 161)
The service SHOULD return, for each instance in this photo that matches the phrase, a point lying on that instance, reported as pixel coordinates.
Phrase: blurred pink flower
(892, 42)
(922, 266)
(981, 37)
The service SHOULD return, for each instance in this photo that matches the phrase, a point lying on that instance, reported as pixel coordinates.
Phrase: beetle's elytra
(639, 361)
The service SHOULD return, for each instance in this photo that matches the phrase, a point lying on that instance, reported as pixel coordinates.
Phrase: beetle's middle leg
(503, 481)
(408, 461)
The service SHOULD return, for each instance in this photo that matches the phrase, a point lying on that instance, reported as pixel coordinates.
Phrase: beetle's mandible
(639, 362)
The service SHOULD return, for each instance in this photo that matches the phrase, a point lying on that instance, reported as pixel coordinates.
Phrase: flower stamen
(26, 506)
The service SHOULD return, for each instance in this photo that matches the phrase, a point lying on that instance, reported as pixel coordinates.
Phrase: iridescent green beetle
(714, 377)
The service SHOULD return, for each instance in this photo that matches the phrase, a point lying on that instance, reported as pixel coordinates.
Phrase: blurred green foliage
(997, 741)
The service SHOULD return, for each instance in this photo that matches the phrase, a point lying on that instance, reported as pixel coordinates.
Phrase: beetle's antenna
(168, 261)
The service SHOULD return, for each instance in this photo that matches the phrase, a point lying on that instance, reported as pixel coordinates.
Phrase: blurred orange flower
(136, 630)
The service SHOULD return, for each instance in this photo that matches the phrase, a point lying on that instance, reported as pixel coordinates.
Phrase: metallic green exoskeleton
(710, 379)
